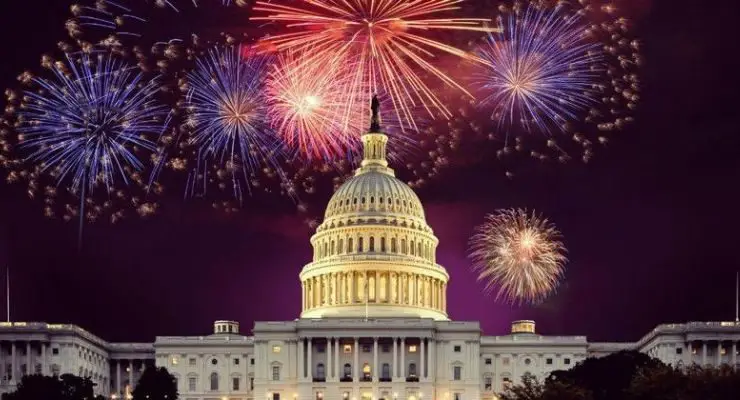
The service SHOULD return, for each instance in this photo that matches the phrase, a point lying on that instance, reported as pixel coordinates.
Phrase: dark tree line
(154, 384)
(629, 375)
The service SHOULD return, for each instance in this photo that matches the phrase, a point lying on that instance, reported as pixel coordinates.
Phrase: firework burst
(305, 103)
(540, 72)
(229, 137)
(520, 254)
(387, 43)
(89, 127)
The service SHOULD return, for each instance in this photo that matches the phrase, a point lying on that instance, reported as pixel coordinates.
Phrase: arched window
(403, 246)
(372, 244)
(333, 248)
(347, 370)
(214, 381)
(382, 244)
(320, 371)
(326, 249)
(418, 250)
(341, 246)
(393, 245)
(411, 245)
(372, 200)
(350, 245)
(366, 371)
(363, 200)
(359, 245)
(412, 369)
(386, 371)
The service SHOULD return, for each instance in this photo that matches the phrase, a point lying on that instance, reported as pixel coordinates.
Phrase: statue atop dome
(375, 116)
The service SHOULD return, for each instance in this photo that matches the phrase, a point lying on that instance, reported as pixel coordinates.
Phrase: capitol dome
(374, 254)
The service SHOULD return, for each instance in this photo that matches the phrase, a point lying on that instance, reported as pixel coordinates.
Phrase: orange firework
(304, 108)
(386, 42)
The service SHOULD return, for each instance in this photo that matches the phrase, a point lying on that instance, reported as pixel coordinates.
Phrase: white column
(375, 359)
(29, 369)
(355, 366)
(329, 368)
(432, 359)
(337, 374)
(301, 360)
(422, 373)
(703, 354)
(118, 377)
(719, 353)
(309, 356)
(131, 374)
(734, 354)
(12, 362)
(402, 370)
(395, 358)
(43, 359)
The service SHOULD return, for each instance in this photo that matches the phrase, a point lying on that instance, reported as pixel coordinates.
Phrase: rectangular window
(251, 384)
(191, 361)
(275, 373)
(679, 350)
(236, 361)
(320, 348)
(505, 361)
(548, 361)
(506, 382)
(488, 361)
(457, 373)
(319, 395)
(276, 349)
(175, 360)
(251, 361)
(567, 361)
(366, 348)
(235, 384)
(386, 348)
(276, 396)
(412, 348)
(347, 348)
(488, 383)
(55, 351)
(191, 384)
(457, 396)
(457, 349)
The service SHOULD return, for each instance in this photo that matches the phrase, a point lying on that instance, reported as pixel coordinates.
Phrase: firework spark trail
(520, 254)
(226, 103)
(384, 40)
(86, 124)
(540, 71)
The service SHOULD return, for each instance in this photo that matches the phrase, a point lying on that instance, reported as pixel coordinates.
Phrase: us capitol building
(373, 326)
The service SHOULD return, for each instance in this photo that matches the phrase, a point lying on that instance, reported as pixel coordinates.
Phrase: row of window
(418, 248)
(527, 361)
(381, 200)
(214, 383)
(192, 360)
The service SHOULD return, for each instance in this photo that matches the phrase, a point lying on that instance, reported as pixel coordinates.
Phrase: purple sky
(651, 224)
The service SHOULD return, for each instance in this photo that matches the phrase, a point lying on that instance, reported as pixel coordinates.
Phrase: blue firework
(227, 117)
(87, 124)
(540, 71)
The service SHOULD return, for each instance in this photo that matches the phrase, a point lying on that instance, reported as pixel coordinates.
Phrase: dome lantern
(374, 145)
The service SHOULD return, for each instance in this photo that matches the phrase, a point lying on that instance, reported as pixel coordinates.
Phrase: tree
(65, 387)
(606, 378)
(156, 384)
(529, 389)
(532, 389)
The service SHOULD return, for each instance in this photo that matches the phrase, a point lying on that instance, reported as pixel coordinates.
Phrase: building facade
(373, 324)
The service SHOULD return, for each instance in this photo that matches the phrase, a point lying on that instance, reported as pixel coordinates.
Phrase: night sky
(651, 223)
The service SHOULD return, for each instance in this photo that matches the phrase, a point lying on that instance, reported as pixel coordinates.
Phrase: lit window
(275, 373)
(722, 351)
(456, 373)
(347, 348)
(276, 349)
(412, 348)
(174, 361)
